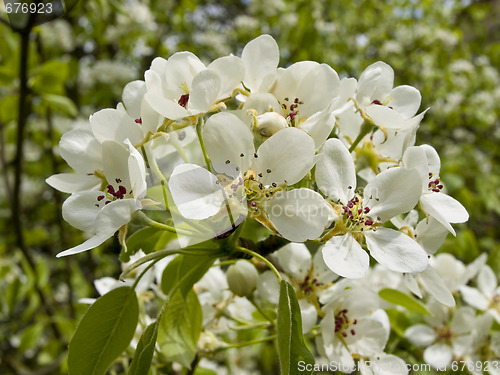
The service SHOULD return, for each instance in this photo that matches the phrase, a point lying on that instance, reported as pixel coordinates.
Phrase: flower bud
(242, 278)
(269, 123)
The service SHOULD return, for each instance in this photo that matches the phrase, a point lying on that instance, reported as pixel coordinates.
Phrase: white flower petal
(345, 256)
(158, 100)
(115, 161)
(414, 157)
(268, 287)
(474, 298)
(137, 172)
(319, 126)
(295, 259)
(392, 192)
(113, 125)
(80, 209)
(261, 57)
(396, 250)
(195, 191)
(299, 214)
(205, 91)
(332, 347)
(87, 245)
(132, 97)
(321, 272)
(309, 315)
(385, 117)
(81, 150)
(70, 182)
(288, 155)
(406, 100)
(487, 281)
(375, 82)
(463, 320)
(389, 364)
(232, 69)
(432, 159)
(335, 171)
(114, 215)
(180, 70)
(430, 234)
(369, 338)
(438, 355)
(436, 287)
(149, 117)
(317, 89)
(444, 209)
(227, 138)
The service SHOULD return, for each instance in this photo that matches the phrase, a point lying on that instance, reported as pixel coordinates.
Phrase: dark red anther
(350, 204)
(344, 334)
(253, 204)
(367, 209)
(100, 197)
(107, 202)
(436, 190)
(122, 189)
(111, 189)
(377, 102)
(360, 210)
(369, 222)
(138, 120)
(353, 332)
(183, 101)
(440, 186)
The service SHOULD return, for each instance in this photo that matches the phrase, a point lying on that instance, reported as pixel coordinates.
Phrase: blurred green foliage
(80, 63)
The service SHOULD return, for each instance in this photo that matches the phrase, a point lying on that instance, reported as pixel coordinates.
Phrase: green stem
(151, 160)
(141, 218)
(247, 343)
(199, 128)
(252, 301)
(366, 128)
(262, 259)
(140, 276)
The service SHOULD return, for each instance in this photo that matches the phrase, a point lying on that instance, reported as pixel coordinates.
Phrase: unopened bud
(242, 278)
(269, 123)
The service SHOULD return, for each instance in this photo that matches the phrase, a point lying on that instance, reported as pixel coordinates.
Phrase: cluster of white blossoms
(329, 165)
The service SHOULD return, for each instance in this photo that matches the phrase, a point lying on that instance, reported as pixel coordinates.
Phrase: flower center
(291, 110)
(111, 193)
(434, 184)
(353, 216)
(309, 285)
(257, 193)
(343, 325)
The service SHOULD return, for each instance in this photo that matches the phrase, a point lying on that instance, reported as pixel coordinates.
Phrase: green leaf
(104, 332)
(291, 346)
(144, 351)
(180, 328)
(185, 270)
(148, 239)
(50, 78)
(399, 298)
(61, 103)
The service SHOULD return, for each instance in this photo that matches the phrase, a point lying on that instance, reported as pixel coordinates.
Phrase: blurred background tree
(79, 63)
